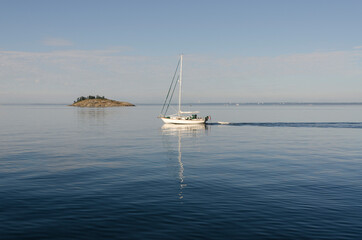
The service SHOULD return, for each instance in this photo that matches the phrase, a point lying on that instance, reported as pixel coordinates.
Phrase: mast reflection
(181, 131)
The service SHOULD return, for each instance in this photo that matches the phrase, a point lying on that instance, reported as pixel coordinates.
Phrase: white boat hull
(184, 121)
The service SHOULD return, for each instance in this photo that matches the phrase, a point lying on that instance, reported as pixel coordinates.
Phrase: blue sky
(235, 51)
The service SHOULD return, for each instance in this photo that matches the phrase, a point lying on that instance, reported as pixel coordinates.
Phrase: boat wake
(294, 124)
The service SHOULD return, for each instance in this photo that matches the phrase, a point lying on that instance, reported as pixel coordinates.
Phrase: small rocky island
(98, 101)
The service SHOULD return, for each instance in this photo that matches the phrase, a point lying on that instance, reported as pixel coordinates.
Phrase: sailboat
(180, 117)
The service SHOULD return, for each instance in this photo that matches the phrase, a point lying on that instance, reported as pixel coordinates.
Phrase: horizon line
(214, 103)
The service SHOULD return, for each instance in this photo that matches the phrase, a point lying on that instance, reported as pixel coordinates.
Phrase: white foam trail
(223, 123)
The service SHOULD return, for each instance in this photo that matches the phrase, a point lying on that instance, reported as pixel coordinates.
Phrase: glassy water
(255, 172)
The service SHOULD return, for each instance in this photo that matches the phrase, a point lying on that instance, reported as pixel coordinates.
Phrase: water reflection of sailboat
(181, 131)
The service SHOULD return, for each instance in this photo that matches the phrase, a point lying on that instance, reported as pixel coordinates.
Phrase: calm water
(272, 172)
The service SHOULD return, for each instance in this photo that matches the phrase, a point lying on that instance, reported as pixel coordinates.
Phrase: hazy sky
(234, 51)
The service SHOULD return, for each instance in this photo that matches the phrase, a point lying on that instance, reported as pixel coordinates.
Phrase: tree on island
(82, 98)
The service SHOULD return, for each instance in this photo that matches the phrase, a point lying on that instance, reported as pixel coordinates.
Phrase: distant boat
(180, 117)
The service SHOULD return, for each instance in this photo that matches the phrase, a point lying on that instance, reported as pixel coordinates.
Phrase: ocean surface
(254, 172)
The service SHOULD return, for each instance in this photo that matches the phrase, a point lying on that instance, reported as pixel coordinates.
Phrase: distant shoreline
(261, 104)
(283, 103)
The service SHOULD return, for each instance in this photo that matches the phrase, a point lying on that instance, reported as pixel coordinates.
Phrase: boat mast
(179, 93)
